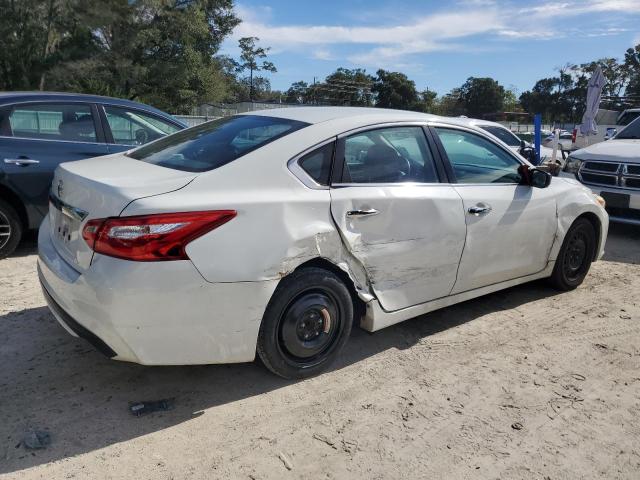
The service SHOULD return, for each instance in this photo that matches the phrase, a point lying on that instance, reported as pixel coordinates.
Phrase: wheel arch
(13, 199)
(359, 305)
(597, 226)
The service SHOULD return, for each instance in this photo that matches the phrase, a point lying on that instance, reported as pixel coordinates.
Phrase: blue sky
(438, 44)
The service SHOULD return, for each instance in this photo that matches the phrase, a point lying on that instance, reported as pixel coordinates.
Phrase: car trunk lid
(99, 188)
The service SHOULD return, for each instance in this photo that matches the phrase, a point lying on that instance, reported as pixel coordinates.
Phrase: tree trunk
(45, 47)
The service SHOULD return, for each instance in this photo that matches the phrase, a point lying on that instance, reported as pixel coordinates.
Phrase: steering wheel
(142, 136)
(404, 169)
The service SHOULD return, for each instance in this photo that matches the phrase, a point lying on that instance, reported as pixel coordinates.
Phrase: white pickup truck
(605, 132)
(612, 170)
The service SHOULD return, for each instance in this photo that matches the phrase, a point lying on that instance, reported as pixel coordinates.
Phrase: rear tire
(10, 229)
(575, 257)
(307, 322)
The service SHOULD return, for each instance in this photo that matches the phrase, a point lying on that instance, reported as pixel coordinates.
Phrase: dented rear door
(407, 229)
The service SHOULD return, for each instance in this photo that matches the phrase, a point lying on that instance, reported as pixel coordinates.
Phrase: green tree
(395, 90)
(481, 95)
(428, 101)
(250, 57)
(450, 105)
(297, 93)
(156, 51)
(632, 64)
(345, 87)
(30, 33)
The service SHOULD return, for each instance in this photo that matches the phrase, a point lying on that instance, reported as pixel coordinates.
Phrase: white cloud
(553, 9)
(322, 54)
(426, 34)
(451, 29)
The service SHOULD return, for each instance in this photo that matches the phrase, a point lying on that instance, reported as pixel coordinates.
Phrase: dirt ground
(524, 383)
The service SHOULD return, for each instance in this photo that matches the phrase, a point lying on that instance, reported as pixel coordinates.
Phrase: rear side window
(388, 155)
(133, 127)
(71, 122)
(317, 164)
(216, 143)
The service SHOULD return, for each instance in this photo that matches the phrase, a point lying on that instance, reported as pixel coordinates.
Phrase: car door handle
(23, 162)
(362, 213)
(481, 209)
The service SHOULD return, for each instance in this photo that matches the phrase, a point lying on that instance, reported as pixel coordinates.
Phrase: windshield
(216, 143)
(503, 134)
(627, 117)
(630, 132)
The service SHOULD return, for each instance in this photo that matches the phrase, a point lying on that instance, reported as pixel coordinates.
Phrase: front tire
(575, 257)
(10, 229)
(307, 322)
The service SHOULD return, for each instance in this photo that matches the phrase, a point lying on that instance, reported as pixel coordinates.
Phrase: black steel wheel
(10, 229)
(306, 324)
(576, 255)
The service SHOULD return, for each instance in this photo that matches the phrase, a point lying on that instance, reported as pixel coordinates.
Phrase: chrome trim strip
(621, 174)
(68, 210)
(51, 140)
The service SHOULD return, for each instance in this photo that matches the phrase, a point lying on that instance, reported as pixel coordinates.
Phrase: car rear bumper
(153, 313)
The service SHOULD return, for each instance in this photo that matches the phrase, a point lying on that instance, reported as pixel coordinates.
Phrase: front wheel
(306, 323)
(575, 257)
(10, 229)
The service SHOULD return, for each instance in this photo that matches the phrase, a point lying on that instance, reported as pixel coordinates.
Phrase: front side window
(477, 160)
(388, 155)
(503, 134)
(132, 127)
(72, 122)
(216, 143)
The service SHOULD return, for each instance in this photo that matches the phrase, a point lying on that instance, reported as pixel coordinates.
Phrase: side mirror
(529, 153)
(534, 177)
(540, 178)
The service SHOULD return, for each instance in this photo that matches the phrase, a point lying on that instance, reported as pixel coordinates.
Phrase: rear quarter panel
(280, 223)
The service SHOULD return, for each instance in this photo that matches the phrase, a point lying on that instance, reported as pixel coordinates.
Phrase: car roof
(324, 114)
(7, 98)
(474, 122)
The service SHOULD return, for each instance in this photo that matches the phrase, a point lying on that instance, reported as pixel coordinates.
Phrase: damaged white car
(275, 232)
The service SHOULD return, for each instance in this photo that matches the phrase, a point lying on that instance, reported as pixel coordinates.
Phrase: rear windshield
(503, 134)
(216, 143)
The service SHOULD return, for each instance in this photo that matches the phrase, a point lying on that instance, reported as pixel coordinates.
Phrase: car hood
(614, 150)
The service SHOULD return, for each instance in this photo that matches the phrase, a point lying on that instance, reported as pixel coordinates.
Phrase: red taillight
(574, 134)
(147, 238)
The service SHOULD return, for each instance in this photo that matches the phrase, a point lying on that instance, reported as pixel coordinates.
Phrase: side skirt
(376, 318)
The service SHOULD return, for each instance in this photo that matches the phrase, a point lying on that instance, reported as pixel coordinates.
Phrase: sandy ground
(525, 383)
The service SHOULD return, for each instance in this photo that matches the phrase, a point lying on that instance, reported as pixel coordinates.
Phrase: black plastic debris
(36, 440)
(145, 407)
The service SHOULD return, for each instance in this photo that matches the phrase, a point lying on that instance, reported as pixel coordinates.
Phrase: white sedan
(508, 137)
(275, 232)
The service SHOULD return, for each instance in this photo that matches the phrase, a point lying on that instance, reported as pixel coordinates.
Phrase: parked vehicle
(627, 116)
(40, 130)
(612, 169)
(566, 140)
(275, 231)
(507, 136)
